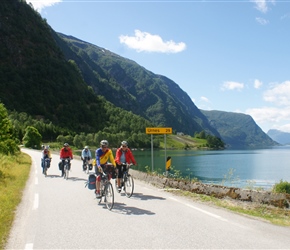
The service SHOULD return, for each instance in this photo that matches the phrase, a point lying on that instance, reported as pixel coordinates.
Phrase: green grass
(274, 215)
(14, 172)
(191, 142)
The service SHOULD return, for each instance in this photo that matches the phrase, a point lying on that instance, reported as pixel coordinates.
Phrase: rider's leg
(119, 167)
(42, 165)
(98, 185)
(84, 164)
(62, 168)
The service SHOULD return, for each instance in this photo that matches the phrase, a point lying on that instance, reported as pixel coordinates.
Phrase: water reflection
(240, 168)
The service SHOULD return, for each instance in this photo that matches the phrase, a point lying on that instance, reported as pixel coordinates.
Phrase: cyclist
(86, 155)
(65, 153)
(123, 155)
(103, 154)
(45, 154)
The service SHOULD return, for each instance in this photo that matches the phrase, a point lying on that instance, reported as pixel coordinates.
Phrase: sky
(231, 56)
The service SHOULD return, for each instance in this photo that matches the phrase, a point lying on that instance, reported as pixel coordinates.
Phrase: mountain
(37, 79)
(238, 130)
(279, 136)
(131, 87)
(86, 88)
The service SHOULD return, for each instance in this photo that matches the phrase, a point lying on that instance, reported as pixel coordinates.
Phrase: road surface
(63, 214)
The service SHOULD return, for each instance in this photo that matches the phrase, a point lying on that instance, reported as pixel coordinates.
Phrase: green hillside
(64, 86)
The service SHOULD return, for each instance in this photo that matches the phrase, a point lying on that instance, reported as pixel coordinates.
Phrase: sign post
(158, 131)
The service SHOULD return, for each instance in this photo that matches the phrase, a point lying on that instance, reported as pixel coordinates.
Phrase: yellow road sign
(158, 130)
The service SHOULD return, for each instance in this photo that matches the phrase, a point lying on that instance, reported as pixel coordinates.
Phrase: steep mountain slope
(238, 130)
(37, 79)
(56, 77)
(130, 86)
(279, 136)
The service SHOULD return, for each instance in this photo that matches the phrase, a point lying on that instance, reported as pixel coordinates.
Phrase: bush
(282, 187)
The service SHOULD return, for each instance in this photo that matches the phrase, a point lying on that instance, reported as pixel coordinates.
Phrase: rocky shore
(244, 195)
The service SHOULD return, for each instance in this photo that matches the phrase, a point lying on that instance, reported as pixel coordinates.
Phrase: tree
(32, 138)
(8, 141)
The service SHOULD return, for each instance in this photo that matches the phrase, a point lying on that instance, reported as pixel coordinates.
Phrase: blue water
(260, 168)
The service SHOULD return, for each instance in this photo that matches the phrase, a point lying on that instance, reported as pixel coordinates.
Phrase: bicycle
(87, 166)
(107, 191)
(66, 167)
(46, 165)
(127, 181)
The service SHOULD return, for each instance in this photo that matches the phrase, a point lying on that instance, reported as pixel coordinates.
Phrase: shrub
(282, 187)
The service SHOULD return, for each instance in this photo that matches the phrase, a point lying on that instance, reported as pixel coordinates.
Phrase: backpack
(91, 182)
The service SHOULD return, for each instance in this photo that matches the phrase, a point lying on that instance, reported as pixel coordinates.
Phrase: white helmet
(124, 143)
(86, 147)
(104, 143)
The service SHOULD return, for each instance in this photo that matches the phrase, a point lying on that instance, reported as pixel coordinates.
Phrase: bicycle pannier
(92, 181)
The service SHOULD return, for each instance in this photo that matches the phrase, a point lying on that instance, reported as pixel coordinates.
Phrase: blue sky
(226, 55)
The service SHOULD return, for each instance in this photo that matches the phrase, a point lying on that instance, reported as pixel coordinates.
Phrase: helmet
(124, 143)
(46, 147)
(104, 143)
(42, 146)
(86, 147)
(65, 145)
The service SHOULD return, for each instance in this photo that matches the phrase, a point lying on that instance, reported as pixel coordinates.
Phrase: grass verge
(270, 214)
(14, 172)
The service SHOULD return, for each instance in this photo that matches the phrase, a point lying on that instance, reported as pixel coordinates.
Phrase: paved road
(63, 214)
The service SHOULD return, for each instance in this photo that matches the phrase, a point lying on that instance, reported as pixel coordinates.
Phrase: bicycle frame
(107, 191)
(127, 180)
(66, 168)
(46, 165)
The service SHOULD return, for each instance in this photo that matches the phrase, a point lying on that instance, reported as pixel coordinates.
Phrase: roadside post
(168, 165)
(158, 131)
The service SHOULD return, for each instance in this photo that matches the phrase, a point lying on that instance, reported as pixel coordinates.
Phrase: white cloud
(269, 114)
(204, 99)
(274, 118)
(263, 5)
(257, 84)
(144, 41)
(232, 86)
(277, 116)
(279, 94)
(39, 5)
(262, 21)
(286, 16)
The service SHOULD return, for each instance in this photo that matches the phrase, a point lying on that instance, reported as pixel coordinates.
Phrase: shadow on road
(122, 208)
(76, 179)
(53, 176)
(141, 196)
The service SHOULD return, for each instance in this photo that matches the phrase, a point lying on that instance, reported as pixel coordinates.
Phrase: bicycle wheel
(128, 185)
(66, 172)
(45, 169)
(109, 195)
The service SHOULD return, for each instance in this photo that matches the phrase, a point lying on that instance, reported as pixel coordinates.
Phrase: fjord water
(259, 168)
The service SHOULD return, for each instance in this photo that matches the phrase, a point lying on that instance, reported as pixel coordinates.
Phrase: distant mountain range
(238, 130)
(68, 81)
(279, 136)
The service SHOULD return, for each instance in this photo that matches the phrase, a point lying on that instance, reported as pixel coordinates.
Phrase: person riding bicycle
(65, 153)
(44, 155)
(86, 155)
(123, 155)
(103, 154)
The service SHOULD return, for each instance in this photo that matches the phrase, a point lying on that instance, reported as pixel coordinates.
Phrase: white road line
(28, 246)
(36, 181)
(36, 201)
(200, 210)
